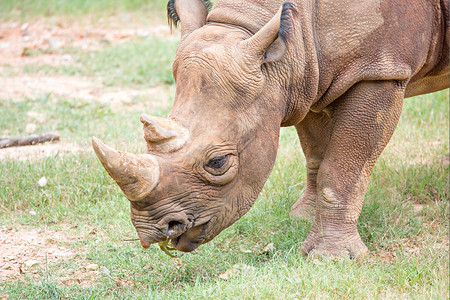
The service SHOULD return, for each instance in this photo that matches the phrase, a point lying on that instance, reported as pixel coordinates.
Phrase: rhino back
(380, 40)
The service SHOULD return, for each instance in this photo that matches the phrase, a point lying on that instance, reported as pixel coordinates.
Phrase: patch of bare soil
(40, 151)
(27, 250)
(18, 88)
(18, 40)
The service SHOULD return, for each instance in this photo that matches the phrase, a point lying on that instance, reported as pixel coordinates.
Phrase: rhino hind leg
(363, 121)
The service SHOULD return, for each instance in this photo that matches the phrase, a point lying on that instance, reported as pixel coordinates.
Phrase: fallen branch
(29, 140)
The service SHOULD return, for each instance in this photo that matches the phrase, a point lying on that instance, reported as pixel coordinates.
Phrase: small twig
(130, 240)
(46, 266)
(28, 140)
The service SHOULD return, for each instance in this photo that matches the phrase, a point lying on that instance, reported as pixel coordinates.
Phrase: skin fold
(336, 70)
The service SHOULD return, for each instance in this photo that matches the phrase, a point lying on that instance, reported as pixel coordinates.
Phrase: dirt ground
(26, 250)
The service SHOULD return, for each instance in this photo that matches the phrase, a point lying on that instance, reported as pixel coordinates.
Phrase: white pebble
(42, 181)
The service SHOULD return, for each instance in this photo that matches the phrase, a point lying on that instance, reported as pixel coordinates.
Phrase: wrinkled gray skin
(337, 70)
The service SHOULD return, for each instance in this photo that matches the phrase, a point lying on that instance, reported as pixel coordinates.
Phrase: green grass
(408, 249)
(139, 62)
(79, 192)
(147, 61)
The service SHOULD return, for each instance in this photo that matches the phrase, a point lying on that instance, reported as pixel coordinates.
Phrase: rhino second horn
(162, 134)
(136, 174)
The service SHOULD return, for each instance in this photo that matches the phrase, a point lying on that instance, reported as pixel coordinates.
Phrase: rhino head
(208, 161)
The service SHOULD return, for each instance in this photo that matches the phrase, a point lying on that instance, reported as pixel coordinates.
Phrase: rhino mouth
(190, 239)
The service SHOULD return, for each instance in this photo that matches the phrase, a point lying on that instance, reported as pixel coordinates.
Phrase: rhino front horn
(136, 174)
(163, 135)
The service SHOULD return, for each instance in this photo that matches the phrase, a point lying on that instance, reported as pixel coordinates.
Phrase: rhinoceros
(337, 70)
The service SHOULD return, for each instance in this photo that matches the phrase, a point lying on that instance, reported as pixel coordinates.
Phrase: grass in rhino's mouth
(164, 246)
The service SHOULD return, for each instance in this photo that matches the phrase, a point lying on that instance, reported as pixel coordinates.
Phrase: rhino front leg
(314, 133)
(363, 122)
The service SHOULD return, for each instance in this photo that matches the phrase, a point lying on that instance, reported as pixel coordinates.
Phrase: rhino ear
(275, 51)
(191, 13)
(269, 43)
(163, 135)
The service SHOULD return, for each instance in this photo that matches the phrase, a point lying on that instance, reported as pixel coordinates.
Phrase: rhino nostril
(173, 226)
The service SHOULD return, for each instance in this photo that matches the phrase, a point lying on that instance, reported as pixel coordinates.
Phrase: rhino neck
(302, 66)
(297, 74)
(294, 80)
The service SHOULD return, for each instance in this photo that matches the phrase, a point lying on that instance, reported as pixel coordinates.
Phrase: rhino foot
(304, 207)
(334, 245)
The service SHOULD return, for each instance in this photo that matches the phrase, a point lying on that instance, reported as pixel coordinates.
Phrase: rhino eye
(217, 162)
(220, 169)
